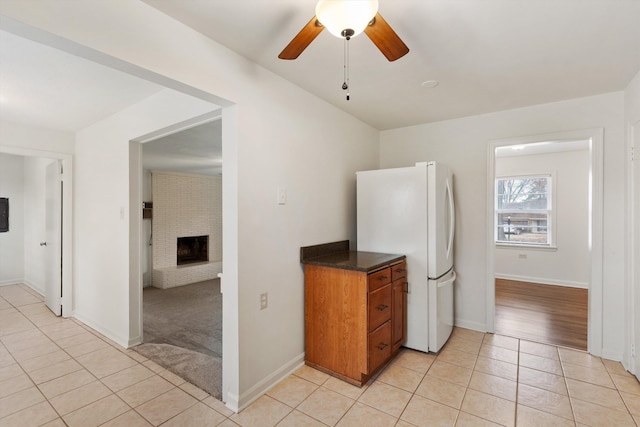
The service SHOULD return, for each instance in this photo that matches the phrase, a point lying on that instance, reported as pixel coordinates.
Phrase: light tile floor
(57, 372)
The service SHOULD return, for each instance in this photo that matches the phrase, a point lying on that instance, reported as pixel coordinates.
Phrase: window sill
(520, 246)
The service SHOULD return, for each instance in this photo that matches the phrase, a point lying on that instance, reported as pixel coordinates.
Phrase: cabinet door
(398, 313)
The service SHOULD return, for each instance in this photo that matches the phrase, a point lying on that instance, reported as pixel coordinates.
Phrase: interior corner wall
(564, 265)
(463, 145)
(102, 206)
(35, 170)
(12, 241)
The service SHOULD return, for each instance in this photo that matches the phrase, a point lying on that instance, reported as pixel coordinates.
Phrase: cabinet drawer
(379, 279)
(379, 306)
(398, 271)
(379, 346)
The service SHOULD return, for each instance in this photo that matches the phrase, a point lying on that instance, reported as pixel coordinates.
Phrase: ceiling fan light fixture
(340, 15)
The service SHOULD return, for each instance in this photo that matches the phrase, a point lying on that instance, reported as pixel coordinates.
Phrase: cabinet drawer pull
(383, 307)
(400, 270)
(381, 278)
(382, 346)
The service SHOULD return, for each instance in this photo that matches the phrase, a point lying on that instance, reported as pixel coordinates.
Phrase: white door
(53, 243)
(441, 219)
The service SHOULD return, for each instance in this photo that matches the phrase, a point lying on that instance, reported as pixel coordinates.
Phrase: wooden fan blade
(383, 36)
(302, 40)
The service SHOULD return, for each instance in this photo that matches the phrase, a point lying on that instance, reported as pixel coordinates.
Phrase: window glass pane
(526, 193)
(523, 208)
(521, 227)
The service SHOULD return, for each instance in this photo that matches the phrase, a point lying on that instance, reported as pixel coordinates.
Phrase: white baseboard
(38, 289)
(123, 342)
(266, 384)
(9, 282)
(611, 354)
(135, 341)
(543, 281)
(467, 324)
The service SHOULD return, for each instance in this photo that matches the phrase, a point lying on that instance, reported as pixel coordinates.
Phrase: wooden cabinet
(355, 321)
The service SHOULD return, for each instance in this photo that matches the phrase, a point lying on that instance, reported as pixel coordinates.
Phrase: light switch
(282, 196)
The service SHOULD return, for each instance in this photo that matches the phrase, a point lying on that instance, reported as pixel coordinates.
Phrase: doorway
(55, 286)
(524, 247)
(182, 219)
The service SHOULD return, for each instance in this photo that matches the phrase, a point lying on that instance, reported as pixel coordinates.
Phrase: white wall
(36, 139)
(632, 120)
(35, 170)
(462, 144)
(12, 242)
(281, 137)
(565, 264)
(102, 206)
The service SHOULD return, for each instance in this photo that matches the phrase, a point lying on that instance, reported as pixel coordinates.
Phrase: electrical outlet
(522, 256)
(264, 301)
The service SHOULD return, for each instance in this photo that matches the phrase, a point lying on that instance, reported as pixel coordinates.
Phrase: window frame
(550, 212)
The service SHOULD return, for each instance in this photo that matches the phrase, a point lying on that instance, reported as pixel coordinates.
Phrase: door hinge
(632, 153)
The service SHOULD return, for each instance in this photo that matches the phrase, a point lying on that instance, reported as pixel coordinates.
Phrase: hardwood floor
(543, 313)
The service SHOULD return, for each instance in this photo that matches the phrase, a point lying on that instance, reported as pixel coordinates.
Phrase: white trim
(612, 354)
(260, 388)
(67, 219)
(107, 333)
(596, 155)
(474, 326)
(524, 246)
(543, 281)
(38, 289)
(9, 282)
(631, 360)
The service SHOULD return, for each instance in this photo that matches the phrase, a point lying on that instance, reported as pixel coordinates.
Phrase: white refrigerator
(410, 211)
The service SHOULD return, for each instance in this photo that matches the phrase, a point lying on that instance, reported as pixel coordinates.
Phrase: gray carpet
(183, 332)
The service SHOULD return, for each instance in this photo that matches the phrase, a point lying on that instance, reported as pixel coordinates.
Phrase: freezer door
(441, 219)
(441, 310)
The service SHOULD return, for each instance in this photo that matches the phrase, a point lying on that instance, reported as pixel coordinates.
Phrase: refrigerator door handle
(452, 219)
(447, 282)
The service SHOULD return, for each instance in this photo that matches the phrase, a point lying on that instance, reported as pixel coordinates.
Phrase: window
(523, 210)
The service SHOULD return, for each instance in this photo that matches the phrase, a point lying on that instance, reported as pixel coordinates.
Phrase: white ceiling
(195, 150)
(488, 55)
(44, 87)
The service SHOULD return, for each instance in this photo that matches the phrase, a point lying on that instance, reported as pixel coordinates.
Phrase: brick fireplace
(186, 228)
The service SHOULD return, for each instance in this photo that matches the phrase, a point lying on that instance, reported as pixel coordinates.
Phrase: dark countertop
(344, 258)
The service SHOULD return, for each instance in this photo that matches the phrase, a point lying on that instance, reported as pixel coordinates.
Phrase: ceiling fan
(346, 19)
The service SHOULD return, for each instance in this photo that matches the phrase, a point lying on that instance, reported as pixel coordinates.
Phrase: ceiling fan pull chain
(345, 84)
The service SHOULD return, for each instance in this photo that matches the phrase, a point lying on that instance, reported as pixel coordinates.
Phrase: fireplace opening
(192, 249)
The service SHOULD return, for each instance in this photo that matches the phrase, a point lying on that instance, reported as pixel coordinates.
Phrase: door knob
(43, 243)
